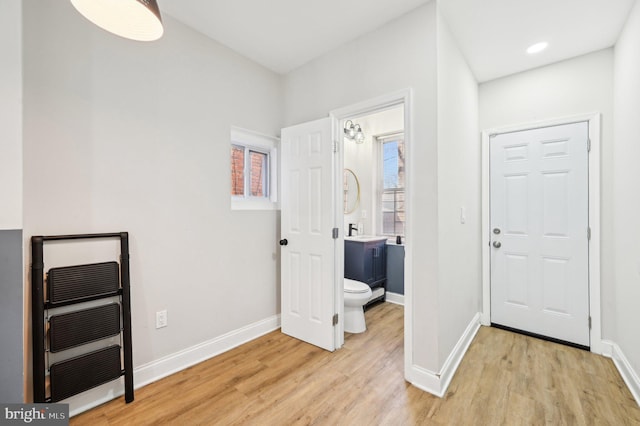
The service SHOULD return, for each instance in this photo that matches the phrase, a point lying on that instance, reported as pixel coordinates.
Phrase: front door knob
(497, 244)
(284, 242)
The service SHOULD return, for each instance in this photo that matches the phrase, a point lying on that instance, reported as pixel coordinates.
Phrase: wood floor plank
(504, 379)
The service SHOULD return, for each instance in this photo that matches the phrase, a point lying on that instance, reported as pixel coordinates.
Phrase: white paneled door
(307, 245)
(539, 231)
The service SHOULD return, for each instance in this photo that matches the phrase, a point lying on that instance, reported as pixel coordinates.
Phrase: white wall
(11, 114)
(459, 161)
(399, 55)
(11, 289)
(575, 86)
(363, 160)
(626, 201)
(128, 136)
(446, 296)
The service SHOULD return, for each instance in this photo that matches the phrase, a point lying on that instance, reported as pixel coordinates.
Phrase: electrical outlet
(161, 319)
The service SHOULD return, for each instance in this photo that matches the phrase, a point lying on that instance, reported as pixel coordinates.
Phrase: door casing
(593, 120)
(401, 97)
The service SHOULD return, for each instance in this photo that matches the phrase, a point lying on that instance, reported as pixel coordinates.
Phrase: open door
(307, 240)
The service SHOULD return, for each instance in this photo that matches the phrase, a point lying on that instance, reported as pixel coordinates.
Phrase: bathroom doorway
(323, 140)
(374, 194)
(381, 163)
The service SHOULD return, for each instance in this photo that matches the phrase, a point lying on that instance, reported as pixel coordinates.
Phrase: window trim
(256, 142)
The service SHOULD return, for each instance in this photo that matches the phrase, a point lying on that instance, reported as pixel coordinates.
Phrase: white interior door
(539, 231)
(307, 259)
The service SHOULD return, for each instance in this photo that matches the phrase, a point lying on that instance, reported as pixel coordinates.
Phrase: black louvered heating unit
(56, 331)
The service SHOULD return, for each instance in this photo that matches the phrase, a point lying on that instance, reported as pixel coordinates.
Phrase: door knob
(284, 242)
(497, 244)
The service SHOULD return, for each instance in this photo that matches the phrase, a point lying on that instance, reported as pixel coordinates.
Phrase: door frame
(390, 100)
(593, 120)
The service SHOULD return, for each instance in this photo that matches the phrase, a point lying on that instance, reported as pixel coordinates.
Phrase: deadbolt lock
(496, 231)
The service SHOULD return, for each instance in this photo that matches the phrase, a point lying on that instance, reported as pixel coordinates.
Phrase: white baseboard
(455, 357)
(424, 379)
(627, 372)
(396, 298)
(437, 383)
(163, 367)
(607, 348)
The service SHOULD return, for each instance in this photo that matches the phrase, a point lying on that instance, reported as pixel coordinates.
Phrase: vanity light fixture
(353, 132)
(349, 130)
(359, 137)
(133, 19)
(537, 48)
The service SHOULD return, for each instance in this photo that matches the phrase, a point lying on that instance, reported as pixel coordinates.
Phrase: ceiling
(284, 34)
(493, 34)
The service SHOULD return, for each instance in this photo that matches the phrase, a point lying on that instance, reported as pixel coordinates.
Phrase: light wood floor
(505, 379)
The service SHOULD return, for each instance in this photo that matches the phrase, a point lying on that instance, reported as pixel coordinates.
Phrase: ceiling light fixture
(133, 19)
(538, 47)
(353, 132)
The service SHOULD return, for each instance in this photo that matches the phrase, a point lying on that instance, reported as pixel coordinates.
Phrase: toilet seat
(355, 287)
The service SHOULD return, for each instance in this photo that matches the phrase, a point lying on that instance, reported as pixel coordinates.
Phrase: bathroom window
(253, 171)
(391, 187)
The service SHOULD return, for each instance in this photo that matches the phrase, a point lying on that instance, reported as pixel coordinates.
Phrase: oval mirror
(351, 188)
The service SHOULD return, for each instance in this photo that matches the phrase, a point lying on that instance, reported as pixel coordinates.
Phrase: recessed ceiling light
(538, 47)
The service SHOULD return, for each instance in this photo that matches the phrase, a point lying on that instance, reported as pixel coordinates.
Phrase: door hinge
(335, 146)
(589, 233)
(334, 233)
(589, 323)
(335, 319)
(588, 145)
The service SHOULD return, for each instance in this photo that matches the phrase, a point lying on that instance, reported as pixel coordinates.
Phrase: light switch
(161, 319)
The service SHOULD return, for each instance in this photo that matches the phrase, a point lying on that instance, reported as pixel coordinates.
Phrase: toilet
(356, 294)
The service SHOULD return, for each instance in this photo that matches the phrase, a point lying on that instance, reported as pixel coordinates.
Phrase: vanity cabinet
(366, 261)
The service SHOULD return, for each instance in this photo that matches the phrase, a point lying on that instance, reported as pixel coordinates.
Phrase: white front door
(539, 231)
(307, 244)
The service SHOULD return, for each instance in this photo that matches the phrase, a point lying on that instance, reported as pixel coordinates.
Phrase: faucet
(352, 227)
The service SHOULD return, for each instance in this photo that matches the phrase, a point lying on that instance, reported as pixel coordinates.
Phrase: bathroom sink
(365, 238)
